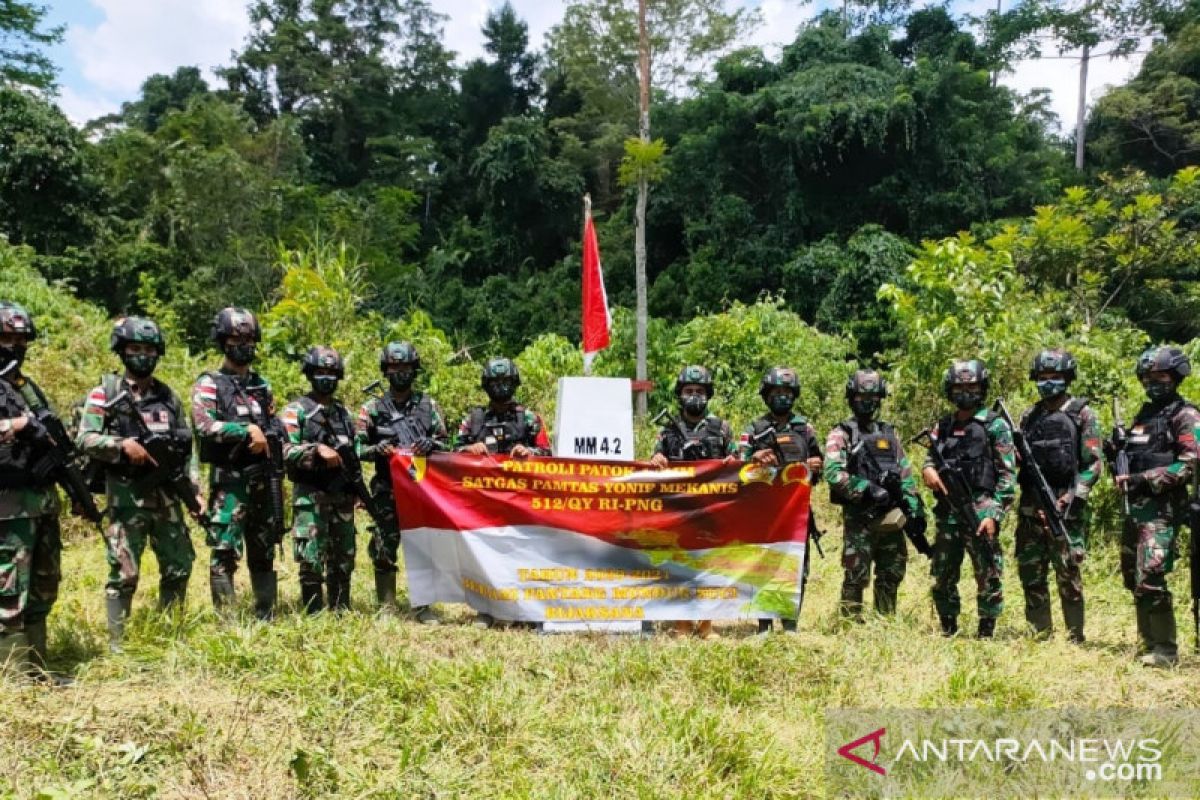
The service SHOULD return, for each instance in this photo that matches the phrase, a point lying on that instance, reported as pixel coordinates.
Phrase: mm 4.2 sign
(598, 445)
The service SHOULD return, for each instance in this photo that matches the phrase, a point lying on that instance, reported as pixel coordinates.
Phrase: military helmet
(694, 374)
(866, 381)
(1053, 360)
(498, 369)
(966, 371)
(136, 329)
(322, 357)
(1164, 359)
(15, 319)
(399, 353)
(233, 321)
(778, 376)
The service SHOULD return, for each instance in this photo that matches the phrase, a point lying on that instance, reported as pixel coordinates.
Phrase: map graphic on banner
(546, 539)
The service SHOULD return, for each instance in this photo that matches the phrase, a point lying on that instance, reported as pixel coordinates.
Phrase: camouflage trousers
(323, 537)
(1150, 545)
(862, 548)
(30, 570)
(240, 523)
(125, 541)
(1037, 551)
(948, 551)
(384, 547)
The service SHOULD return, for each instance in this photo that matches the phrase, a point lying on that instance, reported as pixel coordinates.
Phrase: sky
(111, 46)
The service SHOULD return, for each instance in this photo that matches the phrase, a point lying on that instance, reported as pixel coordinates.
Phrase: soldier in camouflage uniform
(696, 435)
(795, 436)
(401, 418)
(871, 478)
(1163, 454)
(30, 541)
(1064, 434)
(978, 445)
(137, 516)
(230, 408)
(502, 426)
(322, 506)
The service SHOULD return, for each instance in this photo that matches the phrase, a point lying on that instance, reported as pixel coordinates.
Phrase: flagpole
(587, 212)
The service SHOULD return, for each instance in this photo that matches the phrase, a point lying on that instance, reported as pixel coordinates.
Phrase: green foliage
(23, 38)
(642, 161)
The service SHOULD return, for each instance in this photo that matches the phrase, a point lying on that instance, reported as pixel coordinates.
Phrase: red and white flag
(597, 321)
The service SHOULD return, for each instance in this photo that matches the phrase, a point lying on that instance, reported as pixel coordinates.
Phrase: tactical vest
(1054, 439)
(388, 429)
(16, 455)
(234, 404)
(791, 441)
(500, 433)
(710, 443)
(1151, 440)
(159, 407)
(966, 447)
(882, 444)
(315, 430)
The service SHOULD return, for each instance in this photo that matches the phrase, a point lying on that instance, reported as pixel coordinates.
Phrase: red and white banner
(554, 539)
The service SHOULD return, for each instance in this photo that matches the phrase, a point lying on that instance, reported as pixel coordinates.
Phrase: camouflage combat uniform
(1070, 439)
(713, 436)
(375, 426)
(323, 514)
(863, 541)
(224, 406)
(994, 484)
(1164, 451)
(30, 540)
(503, 429)
(137, 517)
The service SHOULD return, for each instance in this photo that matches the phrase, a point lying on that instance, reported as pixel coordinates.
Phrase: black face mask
(141, 365)
(694, 405)
(8, 354)
(241, 354)
(780, 403)
(1159, 392)
(500, 390)
(402, 379)
(865, 408)
(966, 400)
(324, 384)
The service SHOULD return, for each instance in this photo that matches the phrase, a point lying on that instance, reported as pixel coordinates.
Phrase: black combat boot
(1073, 618)
(987, 627)
(116, 612)
(312, 596)
(385, 591)
(223, 595)
(265, 588)
(172, 594)
(949, 625)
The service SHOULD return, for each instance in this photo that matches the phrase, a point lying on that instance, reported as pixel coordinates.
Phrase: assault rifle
(350, 476)
(1117, 449)
(769, 439)
(271, 464)
(958, 492)
(170, 454)
(889, 479)
(687, 446)
(1047, 502)
(400, 429)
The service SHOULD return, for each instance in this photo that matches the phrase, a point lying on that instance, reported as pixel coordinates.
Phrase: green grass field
(370, 706)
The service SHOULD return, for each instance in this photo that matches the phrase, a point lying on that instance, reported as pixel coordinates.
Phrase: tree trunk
(1081, 115)
(639, 249)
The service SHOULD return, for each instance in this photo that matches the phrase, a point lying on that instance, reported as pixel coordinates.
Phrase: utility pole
(639, 247)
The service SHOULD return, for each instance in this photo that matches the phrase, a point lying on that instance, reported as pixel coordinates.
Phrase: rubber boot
(1145, 642)
(171, 595)
(265, 587)
(1040, 619)
(385, 591)
(312, 597)
(949, 625)
(987, 627)
(35, 632)
(116, 611)
(885, 599)
(339, 592)
(223, 595)
(15, 653)
(1164, 651)
(1073, 618)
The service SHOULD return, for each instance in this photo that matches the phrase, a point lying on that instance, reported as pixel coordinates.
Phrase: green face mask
(1159, 391)
(140, 365)
(324, 384)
